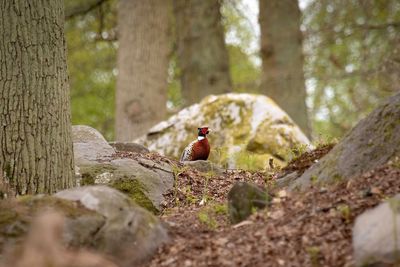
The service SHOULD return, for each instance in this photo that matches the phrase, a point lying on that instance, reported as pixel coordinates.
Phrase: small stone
(245, 198)
(221, 241)
(188, 263)
(282, 193)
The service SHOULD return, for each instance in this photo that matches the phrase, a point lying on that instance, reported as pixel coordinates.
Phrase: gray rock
(373, 142)
(143, 180)
(129, 147)
(287, 179)
(376, 235)
(89, 145)
(243, 199)
(204, 166)
(130, 234)
(98, 218)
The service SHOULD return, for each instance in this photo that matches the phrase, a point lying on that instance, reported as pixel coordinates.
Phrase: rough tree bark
(282, 76)
(142, 66)
(35, 132)
(202, 54)
(373, 142)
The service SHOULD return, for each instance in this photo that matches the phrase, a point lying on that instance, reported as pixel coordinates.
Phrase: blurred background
(327, 63)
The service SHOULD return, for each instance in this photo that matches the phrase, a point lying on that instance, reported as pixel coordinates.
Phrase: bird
(198, 149)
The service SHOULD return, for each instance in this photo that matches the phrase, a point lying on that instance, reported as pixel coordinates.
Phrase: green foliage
(297, 151)
(351, 53)
(345, 211)
(240, 36)
(208, 215)
(248, 161)
(206, 219)
(314, 254)
(92, 67)
(245, 75)
(314, 180)
(220, 209)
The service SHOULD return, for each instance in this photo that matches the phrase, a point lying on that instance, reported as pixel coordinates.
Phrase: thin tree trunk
(35, 132)
(282, 58)
(142, 66)
(202, 54)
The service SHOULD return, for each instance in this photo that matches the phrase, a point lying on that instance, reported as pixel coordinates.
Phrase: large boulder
(246, 131)
(97, 217)
(376, 235)
(373, 142)
(142, 179)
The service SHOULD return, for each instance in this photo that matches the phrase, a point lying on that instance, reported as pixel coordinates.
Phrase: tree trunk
(35, 133)
(202, 54)
(374, 141)
(282, 76)
(142, 66)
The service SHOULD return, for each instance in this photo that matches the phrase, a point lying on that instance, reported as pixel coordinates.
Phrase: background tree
(282, 58)
(142, 66)
(35, 136)
(201, 51)
(92, 54)
(351, 59)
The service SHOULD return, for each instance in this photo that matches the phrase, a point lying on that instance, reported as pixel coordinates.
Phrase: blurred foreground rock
(376, 235)
(97, 218)
(142, 179)
(44, 247)
(245, 131)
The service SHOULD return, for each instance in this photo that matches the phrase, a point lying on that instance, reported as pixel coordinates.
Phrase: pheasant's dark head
(203, 131)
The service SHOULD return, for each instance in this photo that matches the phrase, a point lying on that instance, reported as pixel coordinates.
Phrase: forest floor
(311, 228)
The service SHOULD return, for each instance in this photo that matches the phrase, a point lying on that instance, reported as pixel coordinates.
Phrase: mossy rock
(130, 234)
(242, 126)
(244, 199)
(96, 217)
(16, 216)
(136, 191)
(145, 181)
(141, 183)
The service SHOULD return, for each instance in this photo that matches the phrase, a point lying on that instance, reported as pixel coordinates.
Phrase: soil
(310, 228)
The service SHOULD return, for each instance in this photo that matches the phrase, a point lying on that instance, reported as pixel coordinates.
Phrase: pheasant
(198, 149)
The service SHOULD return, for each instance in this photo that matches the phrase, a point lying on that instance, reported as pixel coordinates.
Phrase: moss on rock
(135, 190)
(91, 172)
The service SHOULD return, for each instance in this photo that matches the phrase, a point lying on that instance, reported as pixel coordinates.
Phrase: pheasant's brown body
(197, 150)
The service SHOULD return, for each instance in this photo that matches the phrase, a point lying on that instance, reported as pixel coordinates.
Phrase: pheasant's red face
(203, 130)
